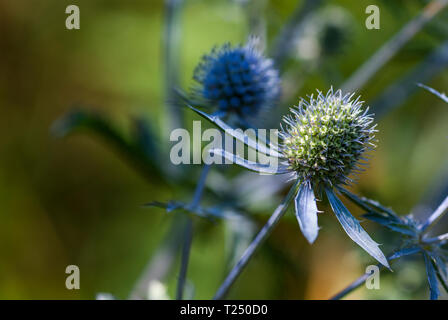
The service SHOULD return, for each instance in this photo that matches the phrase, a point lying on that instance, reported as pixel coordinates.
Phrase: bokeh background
(78, 200)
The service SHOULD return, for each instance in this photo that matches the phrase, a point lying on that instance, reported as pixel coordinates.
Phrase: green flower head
(325, 138)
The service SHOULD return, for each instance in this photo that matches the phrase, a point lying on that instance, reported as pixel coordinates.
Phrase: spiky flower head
(237, 79)
(326, 136)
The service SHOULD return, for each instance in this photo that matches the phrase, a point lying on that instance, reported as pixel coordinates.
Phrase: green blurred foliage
(76, 201)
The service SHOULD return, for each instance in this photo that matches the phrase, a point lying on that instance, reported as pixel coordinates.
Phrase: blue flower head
(237, 80)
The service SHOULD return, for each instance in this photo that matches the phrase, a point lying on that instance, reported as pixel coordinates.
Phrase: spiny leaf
(368, 204)
(354, 229)
(145, 158)
(440, 268)
(306, 212)
(440, 262)
(392, 224)
(434, 91)
(254, 166)
(239, 134)
(432, 277)
(144, 137)
(81, 119)
(404, 252)
(168, 206)
(171, 206)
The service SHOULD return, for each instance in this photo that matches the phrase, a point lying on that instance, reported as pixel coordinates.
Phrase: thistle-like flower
(325, 138)
(237, 80)
(322, 145)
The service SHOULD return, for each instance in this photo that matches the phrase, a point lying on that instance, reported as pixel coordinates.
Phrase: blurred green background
(77, 201)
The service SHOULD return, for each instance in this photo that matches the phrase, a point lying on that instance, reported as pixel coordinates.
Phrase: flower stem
(200, 187)
(188, 234)
(186, 248)
(354, 285)
(161, 262)
(171, 44)
(442, 237)
(436, 215)
(388, 50)
(284, 41)
(256, 243)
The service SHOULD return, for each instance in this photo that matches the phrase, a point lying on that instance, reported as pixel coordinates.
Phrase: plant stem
(351, 287)
(442, 237)
(254, 11)
(256, 243)
(186, 248)
(397, 93)
(293, 28)
(200, 187)
(188, 234)
(171, 51)
(390, 48)
(436, 216)
(161, 262)
(355, 284)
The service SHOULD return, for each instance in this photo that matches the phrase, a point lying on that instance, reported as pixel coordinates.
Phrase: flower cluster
(238, 80)
(325, 138)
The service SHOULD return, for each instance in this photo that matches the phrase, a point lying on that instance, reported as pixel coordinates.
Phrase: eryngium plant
(237, 80)
(322, 144)
(325, 138)
(233, 81)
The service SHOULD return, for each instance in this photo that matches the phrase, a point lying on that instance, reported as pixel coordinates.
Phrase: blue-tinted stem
(188, 234)
(436, 216)
(185, 258)
(442, 237)
(256, 243)
(200, 187)
(284, 41)
(256, 20)
(161, 262)
(355, 284)
(397, 93)
(390, 49)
